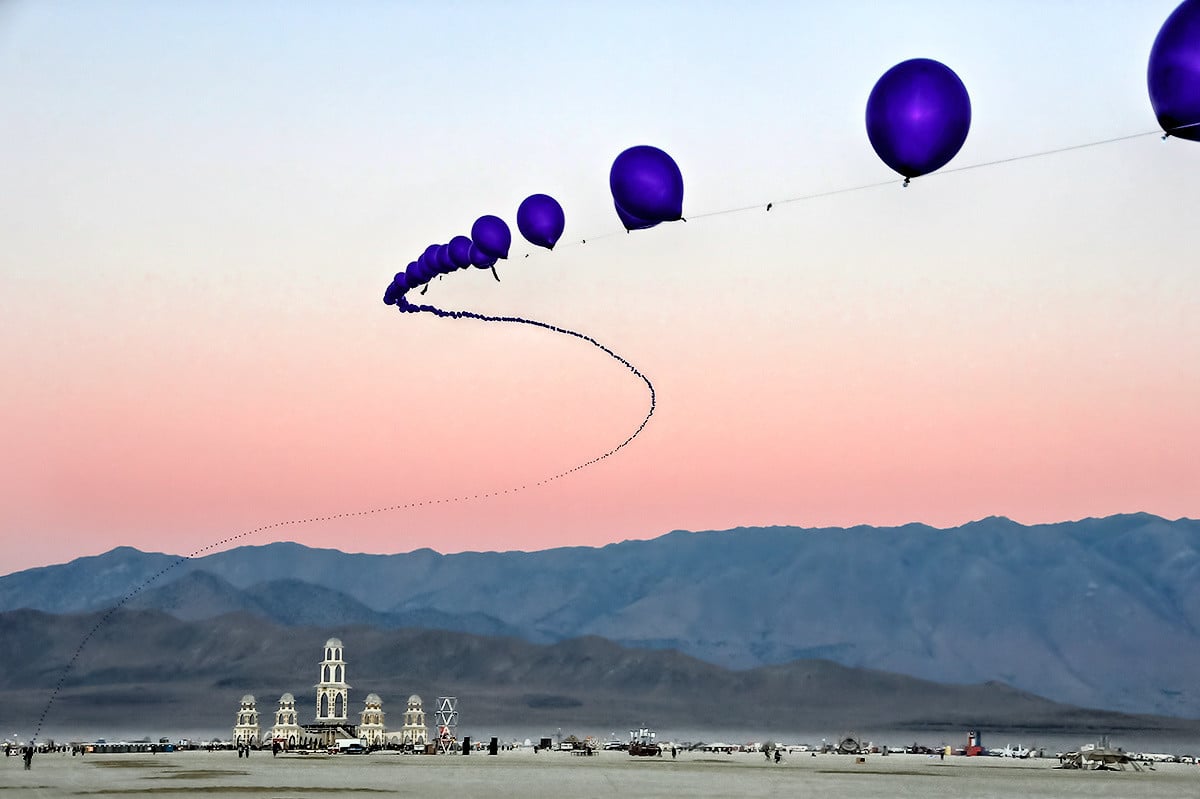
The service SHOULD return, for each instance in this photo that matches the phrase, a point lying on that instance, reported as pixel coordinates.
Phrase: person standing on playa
(28, 757)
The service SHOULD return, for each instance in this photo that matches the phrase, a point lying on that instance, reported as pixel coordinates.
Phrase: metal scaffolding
(446, 719)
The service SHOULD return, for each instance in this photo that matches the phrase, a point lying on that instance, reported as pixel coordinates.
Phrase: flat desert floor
(553, 774)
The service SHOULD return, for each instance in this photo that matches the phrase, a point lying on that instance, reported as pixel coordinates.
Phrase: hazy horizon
(250, 542)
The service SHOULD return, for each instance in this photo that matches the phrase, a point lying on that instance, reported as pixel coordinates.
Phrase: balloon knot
(906, 180)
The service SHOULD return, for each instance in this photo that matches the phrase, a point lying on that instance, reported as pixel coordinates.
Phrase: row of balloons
(647, 189)
(918, 116)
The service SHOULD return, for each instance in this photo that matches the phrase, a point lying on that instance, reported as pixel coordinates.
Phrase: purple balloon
(412, 275)
(481, 259)
(444, 264)
(460, 251)
(491, 236)
(630, 221)
(1173, 74)
(918, 116)
(541, 220)
(430, 260)
(423, 270)
(396, 288)
(647, 183)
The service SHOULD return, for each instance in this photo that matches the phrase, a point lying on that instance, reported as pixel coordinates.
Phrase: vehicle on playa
(642, 743)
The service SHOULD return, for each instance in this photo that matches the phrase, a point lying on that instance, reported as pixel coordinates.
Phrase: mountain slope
(145, 670)
(1068, 610)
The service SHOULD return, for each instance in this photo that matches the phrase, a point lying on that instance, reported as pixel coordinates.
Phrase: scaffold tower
(446, 719)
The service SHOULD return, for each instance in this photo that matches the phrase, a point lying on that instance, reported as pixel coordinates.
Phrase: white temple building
(370, 728)
(333, 693)
(332, 715)
(245, 731)
(287, 731)
(414, 730)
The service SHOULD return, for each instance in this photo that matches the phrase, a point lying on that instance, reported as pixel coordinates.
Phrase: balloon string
(882, 183)
(405, 307)
(1043, 153)
(408, 308)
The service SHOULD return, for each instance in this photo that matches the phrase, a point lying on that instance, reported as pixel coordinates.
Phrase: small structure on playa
(1099, 756)
(245, 731)
(287, 731)
(446, 718)
(370, 728)
(642, 743)
(414, 731)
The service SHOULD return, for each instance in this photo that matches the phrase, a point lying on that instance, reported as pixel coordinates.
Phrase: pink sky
(195, 251)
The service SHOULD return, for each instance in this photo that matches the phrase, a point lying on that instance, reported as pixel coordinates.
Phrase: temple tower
(246, 732)
(333, 693)
(414, 731)
(371, 730)
(287, 730)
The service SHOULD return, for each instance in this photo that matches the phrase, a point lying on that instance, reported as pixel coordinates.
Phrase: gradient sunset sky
(202, 203)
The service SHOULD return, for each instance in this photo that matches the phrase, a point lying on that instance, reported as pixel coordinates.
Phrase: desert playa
(524, 774)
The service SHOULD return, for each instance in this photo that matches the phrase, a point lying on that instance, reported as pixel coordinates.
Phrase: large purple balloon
(481, 259)
(460, 251)
(541, 220)
(630, 221)
(491, 236)
(918, 116)
(1174, 72)
(647, 183)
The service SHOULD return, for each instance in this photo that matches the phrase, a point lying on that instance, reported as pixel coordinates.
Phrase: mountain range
(1101, 613)
(145, 672)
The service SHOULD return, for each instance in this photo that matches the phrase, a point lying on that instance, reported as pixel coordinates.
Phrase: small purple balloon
(647, 183)
(430, 260)
(444, 264)
(541, 220)
(480, 259)
(396, 289)
(630, 221)
(460, 251)
(420, 271)
(412, 275)
(918, 116)
(1173, 74)
(491, 236)
(423, 270)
